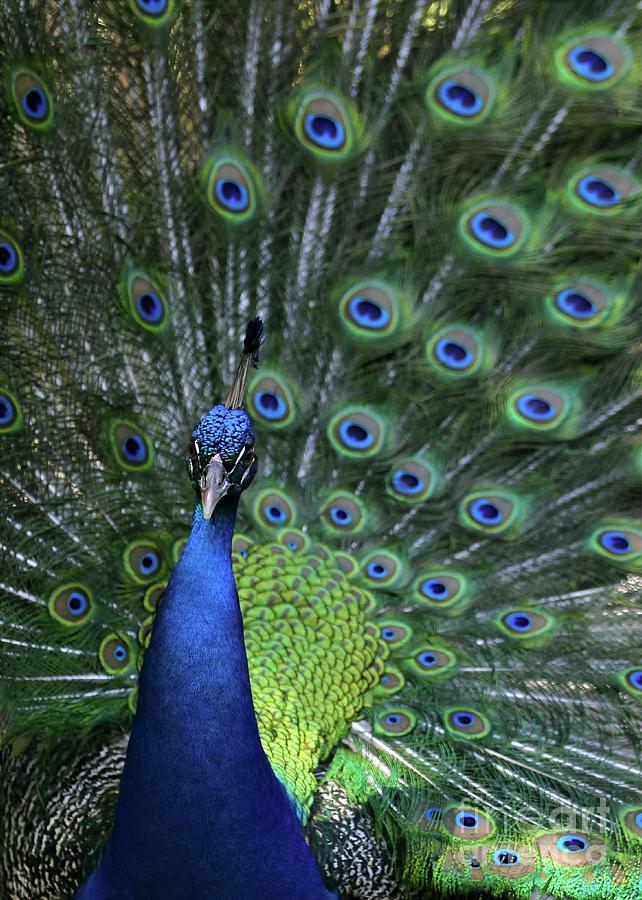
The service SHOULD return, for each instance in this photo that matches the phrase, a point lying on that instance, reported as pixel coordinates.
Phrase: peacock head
(220, 459)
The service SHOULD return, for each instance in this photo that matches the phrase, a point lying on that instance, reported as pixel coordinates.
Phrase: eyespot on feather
(465, 723)
(154, 13)
(571, 848)
(395, 633)
(326, 125)
(31, 97)
(391, 681)
(441, 589)
(131, 447)
(631, 680)
(543, 408)
(413, 479)
(71, 604)
(619, 541)
(432, 660)
(271, 400)
(525, 624)
(11, 416)
(383, 568)
(601, 190)
(395, 722)
(145, 300)
(233, 188)
(494, 511)
(461, 94)
(468, 823)
(592, 61)
(357, 432)
(144, 561)
(372, 313)
(116, 655)
(12, 267)
(457, 351)
(495, 228)
(581, 302)
(274, 508)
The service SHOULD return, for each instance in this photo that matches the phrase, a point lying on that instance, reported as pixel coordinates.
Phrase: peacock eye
(154, 13)
(71, 604)
(496, 228)
(602, 190)
(461, 95)
(146, 302)
(468, 824)
(11, 418)
(32, 99)
(593, 61)
(395, 722)
(466, 723)
(11, 261)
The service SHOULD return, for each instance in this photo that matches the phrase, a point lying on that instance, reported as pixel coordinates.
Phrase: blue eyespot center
(615, 542)
(8, 258)
(459, 99)
(388, 634)
(152, 7)
(393, 719)
(134, 449)
(292, 545)
(377, 570)
(7, 410)
(574, 304)
(518, 621)
(275, 514)
(324, 131)
(35, 103)
(467, 819)
(462, 719)
(232, 196)
(427, 658)
(120, 653)
(635, 680)
(149, 306)
(589, 64)
(149, 563)
(532, 406)
(77, 603)
(340, 516)
(270, 405)
(368, 314)
(435, 589)
(491, 232)
(598, 192)
(453, 354)
(486, 513)
(407, 483)
(506, 857)
(572, 843)
(355, 436)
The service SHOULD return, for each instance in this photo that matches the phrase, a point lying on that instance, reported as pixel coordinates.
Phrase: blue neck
(200, 812)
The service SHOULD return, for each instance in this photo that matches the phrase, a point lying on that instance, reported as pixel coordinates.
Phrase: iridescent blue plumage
(430, 674)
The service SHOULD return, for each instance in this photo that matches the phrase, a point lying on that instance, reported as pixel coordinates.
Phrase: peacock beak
(213, 485)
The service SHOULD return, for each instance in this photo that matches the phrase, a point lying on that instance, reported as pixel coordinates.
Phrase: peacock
(320, 464)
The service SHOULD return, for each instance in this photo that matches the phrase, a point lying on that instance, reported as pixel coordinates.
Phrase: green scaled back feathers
(434, 206)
